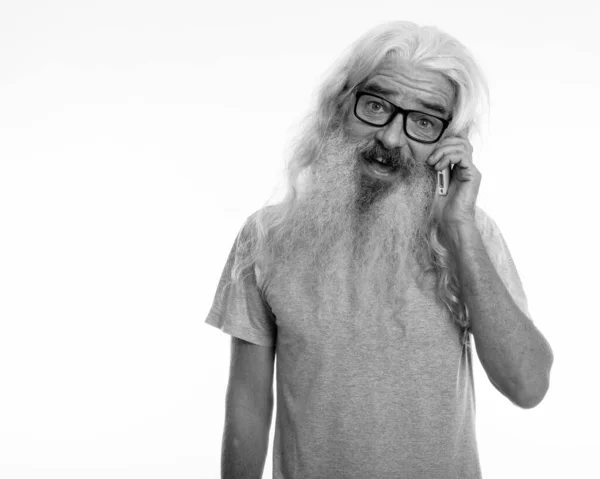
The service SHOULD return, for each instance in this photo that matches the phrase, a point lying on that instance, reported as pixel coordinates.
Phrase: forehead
(410, 86)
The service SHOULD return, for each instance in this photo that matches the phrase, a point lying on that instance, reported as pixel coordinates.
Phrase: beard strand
(354, 237)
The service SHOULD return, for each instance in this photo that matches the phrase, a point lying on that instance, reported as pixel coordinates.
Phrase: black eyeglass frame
(405, 113)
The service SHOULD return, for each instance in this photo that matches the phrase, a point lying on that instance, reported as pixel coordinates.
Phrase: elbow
(531, 401)
(534, 395)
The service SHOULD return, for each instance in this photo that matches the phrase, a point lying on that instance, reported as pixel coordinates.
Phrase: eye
(374, 106)
(424, 123)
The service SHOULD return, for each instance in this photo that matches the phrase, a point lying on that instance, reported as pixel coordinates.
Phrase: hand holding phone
(443, 179)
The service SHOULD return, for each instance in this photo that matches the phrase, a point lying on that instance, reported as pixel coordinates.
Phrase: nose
(392, 135)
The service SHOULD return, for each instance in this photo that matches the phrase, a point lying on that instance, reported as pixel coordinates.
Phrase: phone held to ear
(443, 178)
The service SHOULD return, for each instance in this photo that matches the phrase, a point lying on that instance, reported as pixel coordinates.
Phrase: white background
(135, 139)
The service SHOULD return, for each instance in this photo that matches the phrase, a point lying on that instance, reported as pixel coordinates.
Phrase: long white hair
(422, 46)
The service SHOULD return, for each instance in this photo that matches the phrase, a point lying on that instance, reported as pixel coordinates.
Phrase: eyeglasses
(376, 111)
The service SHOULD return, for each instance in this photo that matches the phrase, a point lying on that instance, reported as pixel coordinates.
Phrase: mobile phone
(443, 178)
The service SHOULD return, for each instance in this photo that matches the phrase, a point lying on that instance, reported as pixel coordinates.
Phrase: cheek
(356, 129)
(422, 152)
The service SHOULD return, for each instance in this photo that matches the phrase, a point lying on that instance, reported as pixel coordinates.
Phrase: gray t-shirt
(381, 397)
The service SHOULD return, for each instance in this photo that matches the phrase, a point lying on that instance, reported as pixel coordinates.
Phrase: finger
(454, 140)
(438, 154)
(458, 159)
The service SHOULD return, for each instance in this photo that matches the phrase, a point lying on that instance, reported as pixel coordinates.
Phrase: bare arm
(515, 355)
(248, 410)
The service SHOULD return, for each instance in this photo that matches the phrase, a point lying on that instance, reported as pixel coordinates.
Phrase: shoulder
(490, 233)
(259, 217)
(485, 223)
(251, 224)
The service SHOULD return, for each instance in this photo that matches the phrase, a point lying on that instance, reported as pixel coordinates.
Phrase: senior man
(366, 283)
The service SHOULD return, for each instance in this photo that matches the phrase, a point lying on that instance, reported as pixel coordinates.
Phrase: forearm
(245, 442)
(514, 354)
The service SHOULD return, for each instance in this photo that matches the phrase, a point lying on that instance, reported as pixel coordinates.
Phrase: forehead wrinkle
(391, 95)
(401, 87)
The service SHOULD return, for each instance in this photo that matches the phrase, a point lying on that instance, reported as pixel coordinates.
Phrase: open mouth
(381, 162)
(377, 168)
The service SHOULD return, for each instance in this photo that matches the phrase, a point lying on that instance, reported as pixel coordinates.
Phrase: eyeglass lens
(419, 125)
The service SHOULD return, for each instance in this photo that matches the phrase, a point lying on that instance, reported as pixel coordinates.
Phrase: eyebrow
(433, 106)
(380, 90)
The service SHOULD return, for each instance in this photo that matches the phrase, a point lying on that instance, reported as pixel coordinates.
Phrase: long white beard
(358, 238)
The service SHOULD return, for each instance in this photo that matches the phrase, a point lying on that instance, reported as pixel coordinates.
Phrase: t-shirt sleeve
(501, 258)
(239, 308)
